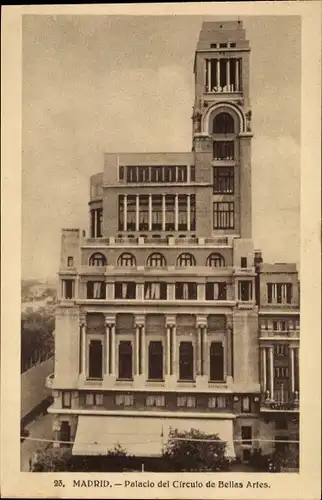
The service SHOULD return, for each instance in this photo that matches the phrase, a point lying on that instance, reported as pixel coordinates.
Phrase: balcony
(50, 380)
(162, 241)
(279, 334)
(268, 404)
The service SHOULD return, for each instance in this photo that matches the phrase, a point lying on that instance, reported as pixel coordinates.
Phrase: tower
(222, 124)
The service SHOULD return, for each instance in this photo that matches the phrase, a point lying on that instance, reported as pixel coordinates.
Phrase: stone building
(167, 316)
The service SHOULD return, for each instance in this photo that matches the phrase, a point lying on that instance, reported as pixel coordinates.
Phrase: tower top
(221, 34)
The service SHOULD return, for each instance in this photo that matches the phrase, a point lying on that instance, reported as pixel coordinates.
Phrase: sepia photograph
(161, 251)
(169, 339)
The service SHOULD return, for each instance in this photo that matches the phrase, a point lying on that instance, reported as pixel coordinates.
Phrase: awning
(141, 436)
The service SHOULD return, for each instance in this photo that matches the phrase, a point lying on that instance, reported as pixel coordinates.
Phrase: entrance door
(65, 431)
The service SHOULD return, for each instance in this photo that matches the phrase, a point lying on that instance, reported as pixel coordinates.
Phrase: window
(216, 291)
(155, 360)
(143, 212)
(156, 174)
(186, 401)
(223, 45)
(121, 173)
(98, 399)
(246, 434)
(95, 368)
(155, 291)
(281, 372)
(170, 212)
(232, 45)
(186, 371)
(70, 261)
(223, 150)
(223, 124)
(217, 402)
(96, 290)
(182, 174)
(246, 404)
(124, 399)
(182, 212)
(279, 293)
(125, 360)
(121, 213)
(243, 262)
(186, 291)
(64, 434)
(216, 361)
(156, 212)
(192, 173)
(132, 174)
(97, 259)
(156, 260)
(215, 260)
(143, 174)
(93, 399)
(153, 400)
(68, 288)
(126, 260)
(66, 399)
(280, 350)
(224, 215)
(245, 291)
(186, 260)
(192, 212)
(89, 399)
(125, 290)
(223, 180)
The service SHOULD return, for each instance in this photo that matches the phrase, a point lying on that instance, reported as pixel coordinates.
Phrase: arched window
(185, 260)
(156, 260)
(215, 260)
(223, 123)
(126, 260)
(97, 259)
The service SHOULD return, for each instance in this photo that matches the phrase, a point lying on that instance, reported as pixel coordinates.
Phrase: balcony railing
(169, 241)
(271, 404)
(295, 334)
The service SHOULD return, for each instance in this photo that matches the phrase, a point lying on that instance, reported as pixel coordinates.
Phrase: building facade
(167, 317)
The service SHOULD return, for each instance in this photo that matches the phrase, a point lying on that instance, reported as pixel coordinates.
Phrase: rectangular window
(124, 399)
(186, 371)
(70, 261)
(66, 399)
(169, 212)
(281, 372)
(156, 212)
(245, 291)
(216, 362)
(224, 217)
(125, 360)
(132, 174)
(131, 213)
(182, 214)
(68, 288)
(223, 180)
(246, 434)
(89, 399)
(246, 404)
(279, 293)
(243, 262)
(192, 212)
(217, 402)
(144, 174)
(186, 401)
(216, 291)
(192, 173)
(121, 173)
(186, 291)
(155, 360)
(96, 290)
(223, 150)
(181, 174)
(281, 350)
(155, 291)
(98, 399)
(144, 213)
(95, 360)
(121, 213)
(155, 400)
(125, 290)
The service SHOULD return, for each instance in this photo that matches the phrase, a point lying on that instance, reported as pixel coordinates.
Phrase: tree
(190, 451)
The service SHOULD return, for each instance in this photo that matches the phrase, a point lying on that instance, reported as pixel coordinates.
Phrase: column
(264, 368)
(163, 212)
(137, 215)
(137, 349)
(168, 328)
(188, 213)
(199, 351)
(209, 75)
(113, 349)
(237, 75)
(176, 212)
(107, 350)
(205, 351)
(143, 363)
(218, 74)
(150, 212)
(292, 370)
(125, 212)
(174, 351)
(228, 74)
(271, 371)
(84, 347)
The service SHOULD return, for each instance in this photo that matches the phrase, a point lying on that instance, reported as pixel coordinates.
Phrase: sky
(95, 84)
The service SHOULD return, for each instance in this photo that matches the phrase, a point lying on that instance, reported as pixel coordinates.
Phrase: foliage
(37, 340)
(186, 455)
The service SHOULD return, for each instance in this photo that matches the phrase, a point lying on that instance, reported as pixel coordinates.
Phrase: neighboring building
(166, 318)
